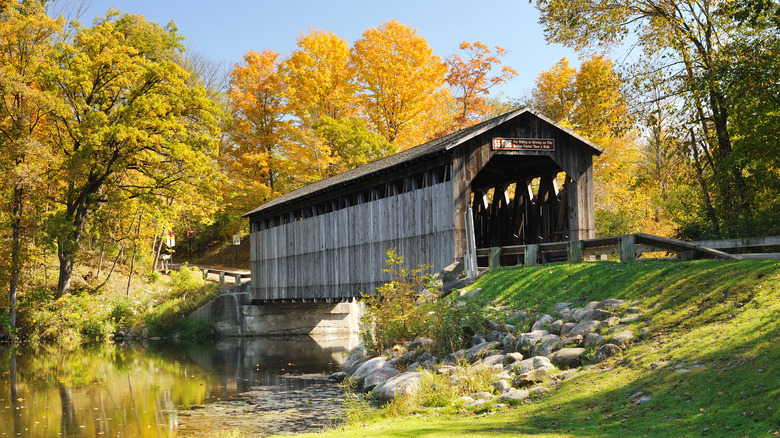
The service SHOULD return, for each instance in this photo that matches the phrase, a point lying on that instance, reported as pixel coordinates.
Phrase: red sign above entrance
(523, 144)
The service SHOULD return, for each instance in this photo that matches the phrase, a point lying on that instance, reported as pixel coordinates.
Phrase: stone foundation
(234, 315)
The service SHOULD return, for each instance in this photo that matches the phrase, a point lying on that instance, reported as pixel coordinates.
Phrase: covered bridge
(526, 179)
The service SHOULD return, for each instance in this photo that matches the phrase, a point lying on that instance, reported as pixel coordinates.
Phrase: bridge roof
(387, 164)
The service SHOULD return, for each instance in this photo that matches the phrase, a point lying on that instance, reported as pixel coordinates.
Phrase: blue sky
(225, 30)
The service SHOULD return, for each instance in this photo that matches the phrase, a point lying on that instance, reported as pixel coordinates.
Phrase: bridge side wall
(341, 254)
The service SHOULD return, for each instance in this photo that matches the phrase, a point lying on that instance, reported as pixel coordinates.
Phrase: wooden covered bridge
(526, 179)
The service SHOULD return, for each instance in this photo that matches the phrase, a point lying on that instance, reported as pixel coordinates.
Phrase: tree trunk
(66, 272)
(111, 271)
(67, 245)
(132, 265)
(16, 249)
(713, 217)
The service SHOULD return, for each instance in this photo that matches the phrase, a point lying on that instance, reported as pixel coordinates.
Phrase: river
(234, 387)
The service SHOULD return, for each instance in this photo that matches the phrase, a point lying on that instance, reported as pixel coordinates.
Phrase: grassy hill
(715, 332)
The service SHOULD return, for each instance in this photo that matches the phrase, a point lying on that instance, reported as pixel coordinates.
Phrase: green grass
(716, 319)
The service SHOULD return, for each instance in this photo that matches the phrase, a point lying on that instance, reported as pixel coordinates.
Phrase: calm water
(235, 387)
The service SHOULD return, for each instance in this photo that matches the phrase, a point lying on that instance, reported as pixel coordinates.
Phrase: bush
(398, 311)
(186, 279)
(153, 277)
(122, 313)
(408, 306)
(96, 330)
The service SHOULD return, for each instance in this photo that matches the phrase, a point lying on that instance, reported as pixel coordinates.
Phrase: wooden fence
(628, 247)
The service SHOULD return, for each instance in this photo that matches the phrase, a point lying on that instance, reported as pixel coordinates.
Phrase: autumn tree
(401, 84)
(470, 79)
(318, 83)
(592, 102)
(133, 124)
(553, 95)
(695, 45)
(352, 142)
(255, 159)
(26, 36)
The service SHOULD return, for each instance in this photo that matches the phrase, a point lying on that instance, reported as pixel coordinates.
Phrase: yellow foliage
(401, 84)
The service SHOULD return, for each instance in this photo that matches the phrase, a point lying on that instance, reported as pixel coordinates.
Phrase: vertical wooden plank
(575, 251)
(531, 254)
(627, 253)
(494, 259)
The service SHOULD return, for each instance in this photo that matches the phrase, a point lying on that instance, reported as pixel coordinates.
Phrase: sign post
(236, 243)
(170, 241)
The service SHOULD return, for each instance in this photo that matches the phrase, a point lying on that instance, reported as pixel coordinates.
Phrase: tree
(255, 159)
(26, 35)
(553, 95)
(592, 102)
(318, 83)
(352, 143)
(401, 84)
(133, 124)
(471, 81)
(694, 45)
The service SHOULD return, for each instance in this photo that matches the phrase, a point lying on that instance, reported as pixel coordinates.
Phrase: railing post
(626, 248)
(471, 250)
(531, 252)
(494, 261)
(221, 278)
(575, 251)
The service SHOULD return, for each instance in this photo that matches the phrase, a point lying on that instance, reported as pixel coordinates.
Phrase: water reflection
(139, 392)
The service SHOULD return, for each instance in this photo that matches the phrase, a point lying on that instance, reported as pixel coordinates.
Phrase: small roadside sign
(236, 239)
(170, 239)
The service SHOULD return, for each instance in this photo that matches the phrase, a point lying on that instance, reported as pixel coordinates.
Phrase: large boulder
(542, 323)
(367, 368)
(509, 342)
(548, 346)
(605, 352)
(402, 384)
(584, 328)
(479, 351)
(568, 357)
(493, 360)
(513, 395)
(356, 357)
(566, 328)
(525, 341)
(623, 339)
(532, 363)
(378, 377)
(560, 306)
(610, 303)
(421, 342)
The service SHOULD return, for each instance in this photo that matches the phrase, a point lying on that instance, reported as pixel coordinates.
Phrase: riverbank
(707, 366)
(104, 302)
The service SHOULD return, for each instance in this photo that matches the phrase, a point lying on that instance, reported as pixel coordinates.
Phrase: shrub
(186, 279)
(401, 311)
(153, 277)
(398, 311)
(121, 313)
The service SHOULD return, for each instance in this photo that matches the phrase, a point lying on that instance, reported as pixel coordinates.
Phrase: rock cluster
(520, 361)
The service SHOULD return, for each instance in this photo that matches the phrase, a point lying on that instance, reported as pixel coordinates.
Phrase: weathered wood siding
(341, 254)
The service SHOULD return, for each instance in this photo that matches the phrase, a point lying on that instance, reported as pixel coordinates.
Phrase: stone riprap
(520, 362)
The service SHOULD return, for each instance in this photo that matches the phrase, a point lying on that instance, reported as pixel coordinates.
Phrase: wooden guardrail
(237, 274)
(627, 246)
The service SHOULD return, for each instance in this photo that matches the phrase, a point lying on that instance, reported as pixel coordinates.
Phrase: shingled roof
(387, 164)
